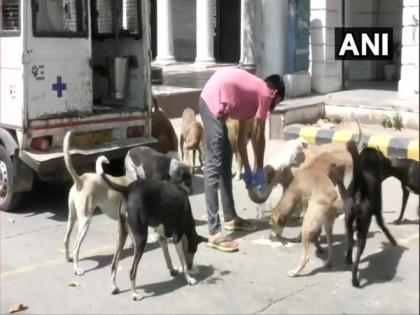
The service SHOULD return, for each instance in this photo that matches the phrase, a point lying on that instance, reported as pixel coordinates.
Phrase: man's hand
(248, 178)
(260, 178)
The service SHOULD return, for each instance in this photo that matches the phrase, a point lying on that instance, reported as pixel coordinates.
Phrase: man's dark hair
(276, 82)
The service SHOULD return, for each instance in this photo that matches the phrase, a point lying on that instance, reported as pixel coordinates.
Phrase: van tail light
(135, 132)
(42, 143)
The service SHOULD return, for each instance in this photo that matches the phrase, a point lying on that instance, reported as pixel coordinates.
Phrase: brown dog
(233, 134)
(164, 132)
(192, 133)
(314, 183)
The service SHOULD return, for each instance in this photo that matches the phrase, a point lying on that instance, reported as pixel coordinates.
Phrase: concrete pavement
(253, 280)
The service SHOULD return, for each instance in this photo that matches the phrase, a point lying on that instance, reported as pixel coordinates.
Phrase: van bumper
(47, 162)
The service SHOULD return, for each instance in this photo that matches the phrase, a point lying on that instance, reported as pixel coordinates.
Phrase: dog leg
(317, 243)
(349, 218)
(381, 223)
(164, 244)
(70, 224)
(140, 244)
(190, 280)
(305, 257)
(200, 158)
(406, 193)
(84, 224)
(122, 237)
(181, 145)
(362, 231)
(193, 160)
(328, 233)
(238, 166)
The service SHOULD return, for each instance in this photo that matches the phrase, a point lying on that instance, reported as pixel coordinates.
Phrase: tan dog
(192, 133)
(88, 193)
(233, 134)
(164, 132)
(314, 183)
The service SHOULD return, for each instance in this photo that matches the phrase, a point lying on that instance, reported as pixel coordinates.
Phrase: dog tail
(69, 165)
(100, 171)
(155, 104)
(360, 138)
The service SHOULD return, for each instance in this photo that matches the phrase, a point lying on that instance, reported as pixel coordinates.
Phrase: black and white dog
(365, 201)
(144, 162)
(407, 172)
(163, 206)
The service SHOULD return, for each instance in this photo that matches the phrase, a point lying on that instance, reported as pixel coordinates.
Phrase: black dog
(407, 172)
(365, 201)
(145, 162)
(165, 207)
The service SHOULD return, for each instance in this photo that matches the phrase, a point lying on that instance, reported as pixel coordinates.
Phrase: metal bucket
(118, 76)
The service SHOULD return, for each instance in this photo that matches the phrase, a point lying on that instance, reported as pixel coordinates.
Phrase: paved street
(253, 280)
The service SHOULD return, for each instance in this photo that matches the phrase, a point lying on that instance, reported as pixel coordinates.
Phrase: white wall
(272, 34)
(408, 86)
(325, 70)
(372, 13)
(184, 23)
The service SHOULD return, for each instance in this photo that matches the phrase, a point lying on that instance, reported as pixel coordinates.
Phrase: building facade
(256, 34)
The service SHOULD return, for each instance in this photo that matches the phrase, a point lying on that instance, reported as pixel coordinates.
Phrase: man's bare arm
(259, 144)
(242, 144)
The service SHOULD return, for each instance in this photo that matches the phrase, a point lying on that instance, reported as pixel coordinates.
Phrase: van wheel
(8, 199)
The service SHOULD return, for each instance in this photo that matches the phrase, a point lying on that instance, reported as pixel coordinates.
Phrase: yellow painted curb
(309, 134)
(413, 150)
(381, 142)
(342, 136)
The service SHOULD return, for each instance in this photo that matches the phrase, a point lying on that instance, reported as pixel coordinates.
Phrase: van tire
(8, 198)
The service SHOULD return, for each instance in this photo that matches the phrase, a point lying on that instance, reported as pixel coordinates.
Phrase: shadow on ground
(206, 275)
(106, 260)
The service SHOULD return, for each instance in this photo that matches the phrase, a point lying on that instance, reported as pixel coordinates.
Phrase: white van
(79, 65)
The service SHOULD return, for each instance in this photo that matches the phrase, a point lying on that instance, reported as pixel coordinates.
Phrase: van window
(9, 18)
(59, 18)
(116, 17)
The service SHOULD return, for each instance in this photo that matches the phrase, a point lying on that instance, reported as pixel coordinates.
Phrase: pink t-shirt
(237, 94)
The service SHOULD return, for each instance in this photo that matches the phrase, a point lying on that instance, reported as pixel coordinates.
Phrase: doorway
(228, 31)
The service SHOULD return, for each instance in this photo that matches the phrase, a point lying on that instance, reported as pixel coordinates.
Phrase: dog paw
(349, 261)
(355, 283)
(191, 281)
(115, 290)
(194, 270)
(136, 296)
(397, 222)
(79, 272)
(174, 272)
(69, 259)
(292, 273)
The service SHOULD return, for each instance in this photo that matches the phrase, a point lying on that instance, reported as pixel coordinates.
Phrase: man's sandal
(223, 244)
(240, 225)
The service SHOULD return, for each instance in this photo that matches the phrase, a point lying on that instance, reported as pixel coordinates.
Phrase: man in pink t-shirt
(237, 94)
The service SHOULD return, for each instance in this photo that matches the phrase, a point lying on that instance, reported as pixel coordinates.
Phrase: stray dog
(191, 137)
(275, 172)
(365, 201)
(145, 162)
(315, 184)
(165, 207)
(407, 172)
(88, 192)
(233, 134)
(288, 155)
(164, 132)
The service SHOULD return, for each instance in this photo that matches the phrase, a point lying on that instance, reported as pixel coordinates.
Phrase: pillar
(204, 33)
